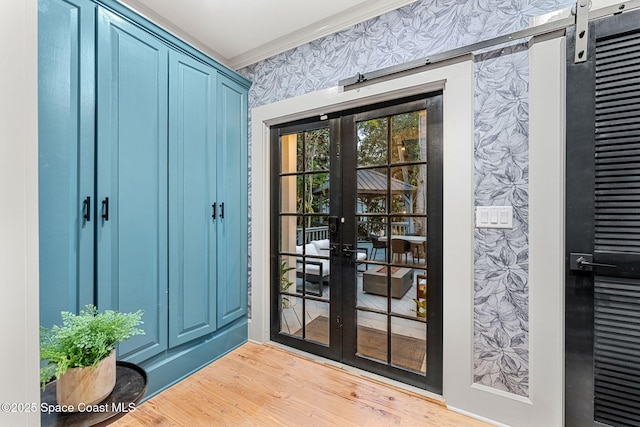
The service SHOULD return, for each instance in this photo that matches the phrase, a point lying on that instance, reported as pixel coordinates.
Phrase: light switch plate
(494, 216)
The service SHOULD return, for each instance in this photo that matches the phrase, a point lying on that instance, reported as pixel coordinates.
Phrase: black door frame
(342, 124)
(579, 218)
(432, 102)
(332, 351)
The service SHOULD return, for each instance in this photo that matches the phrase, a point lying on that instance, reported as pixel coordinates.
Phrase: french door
(602, 282)
(356, 211)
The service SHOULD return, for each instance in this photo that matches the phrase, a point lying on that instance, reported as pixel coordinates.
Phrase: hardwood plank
(261, 385)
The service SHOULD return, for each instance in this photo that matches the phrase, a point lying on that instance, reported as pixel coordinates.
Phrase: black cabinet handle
(213, 207)
(105, 209)
(86, 208)
(222, 210)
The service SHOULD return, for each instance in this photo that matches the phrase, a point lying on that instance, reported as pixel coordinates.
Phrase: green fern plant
(84, 340)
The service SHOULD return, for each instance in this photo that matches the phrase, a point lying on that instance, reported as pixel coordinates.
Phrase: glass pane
(314, 265)
(400, 250)
(408, 344)
(291, 194)
(404, 188)
(317, 149)
(371, 235)
(406, 293)
(372, 142)
(419, 177)
(372, 191)
(287, 273)
(291, 315)
(418, 239)
(372, 336)
(408, 137)
(316, 228)
(290, 233)
(311, 270)
(372, 288)
(316, 193)
(376, 280)
(290, 153)
(317, 326)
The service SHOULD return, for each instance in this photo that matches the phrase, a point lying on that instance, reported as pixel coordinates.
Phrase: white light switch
(494, 216)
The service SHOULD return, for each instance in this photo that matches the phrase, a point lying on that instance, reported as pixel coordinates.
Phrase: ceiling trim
(329, 25)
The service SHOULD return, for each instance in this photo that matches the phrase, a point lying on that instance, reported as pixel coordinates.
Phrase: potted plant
(285, 283)
(81, 354)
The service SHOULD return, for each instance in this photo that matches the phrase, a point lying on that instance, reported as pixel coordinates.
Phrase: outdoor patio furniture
(315, 266)
(400, 247)
(376, 244)
(374, 281)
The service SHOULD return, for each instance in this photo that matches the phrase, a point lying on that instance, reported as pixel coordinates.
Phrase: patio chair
(400, 247)
(377, 244)
(419, 250)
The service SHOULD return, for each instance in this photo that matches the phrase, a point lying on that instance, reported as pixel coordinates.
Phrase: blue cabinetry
(66, 110)
(232, 155)
(143, 184)
(131, 233)
(192, 199)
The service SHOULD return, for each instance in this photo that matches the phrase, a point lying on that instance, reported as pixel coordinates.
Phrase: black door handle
(213, 207)
(222, 210)
(584, 262)
(348, 250)
(105, 209)
(86, 208)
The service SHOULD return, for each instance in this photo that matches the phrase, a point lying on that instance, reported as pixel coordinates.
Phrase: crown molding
(173, 29)
(332, 24)
(329, 25)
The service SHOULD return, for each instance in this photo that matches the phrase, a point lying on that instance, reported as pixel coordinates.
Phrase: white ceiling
(242, 32)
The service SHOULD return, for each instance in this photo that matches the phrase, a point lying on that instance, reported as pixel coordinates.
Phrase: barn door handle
(105, 209)
(584, 262)
(86, 208)
(222, 210)
(213, 208)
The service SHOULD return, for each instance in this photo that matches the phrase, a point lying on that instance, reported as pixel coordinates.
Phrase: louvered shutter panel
(617, 229)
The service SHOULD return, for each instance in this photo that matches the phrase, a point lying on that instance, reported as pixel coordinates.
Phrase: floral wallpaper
(501, 295)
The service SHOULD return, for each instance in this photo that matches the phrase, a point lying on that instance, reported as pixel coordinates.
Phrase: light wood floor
(261, 385)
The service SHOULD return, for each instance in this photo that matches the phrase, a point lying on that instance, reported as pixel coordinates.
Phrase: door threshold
(360, 372)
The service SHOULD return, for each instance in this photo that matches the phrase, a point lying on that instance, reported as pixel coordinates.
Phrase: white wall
(18, 210)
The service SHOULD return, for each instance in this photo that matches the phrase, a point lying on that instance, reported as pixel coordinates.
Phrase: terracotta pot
(87, 386)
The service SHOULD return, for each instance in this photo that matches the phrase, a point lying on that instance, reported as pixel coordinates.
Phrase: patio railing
(322, 232)
(312, 233)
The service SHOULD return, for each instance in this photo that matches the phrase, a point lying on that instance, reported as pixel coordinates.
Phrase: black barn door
(602, 360)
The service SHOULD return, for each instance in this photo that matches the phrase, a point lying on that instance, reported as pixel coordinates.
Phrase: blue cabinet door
(66, 155)
(232, 191)
(132, 227)
(192, 194)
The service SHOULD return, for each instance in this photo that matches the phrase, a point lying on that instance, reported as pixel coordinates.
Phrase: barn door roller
(581, 10)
